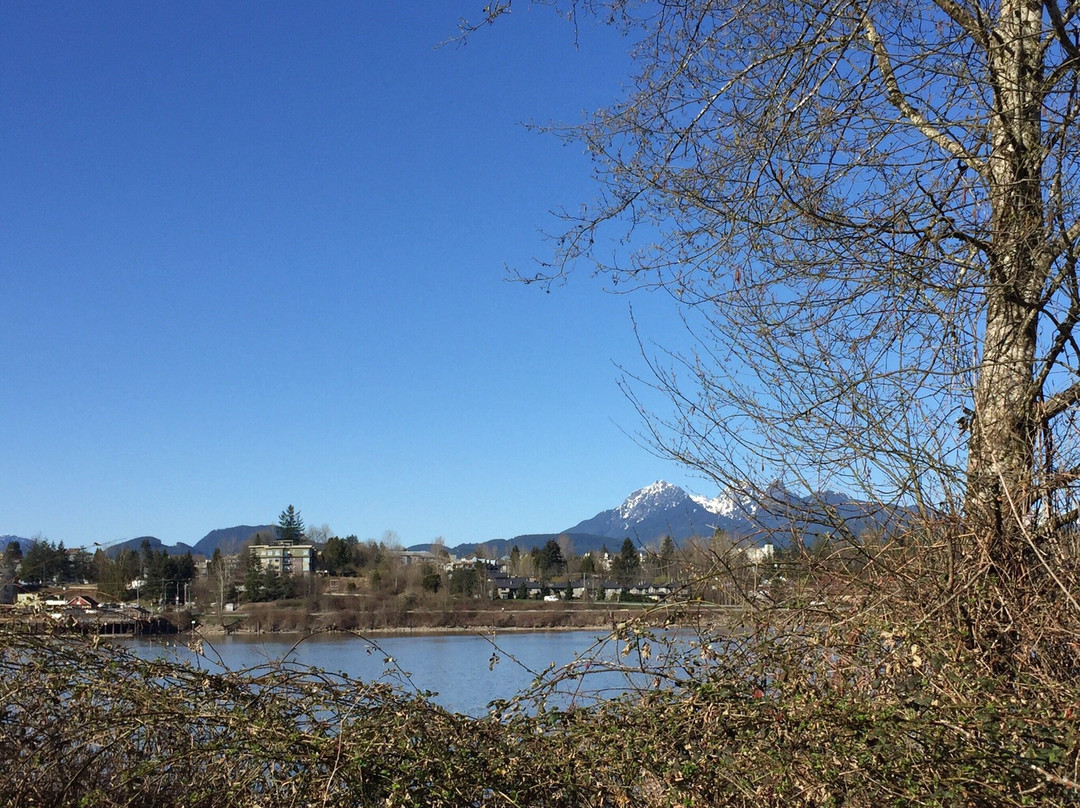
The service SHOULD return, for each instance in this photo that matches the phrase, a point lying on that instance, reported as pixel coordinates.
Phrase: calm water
(458, 667)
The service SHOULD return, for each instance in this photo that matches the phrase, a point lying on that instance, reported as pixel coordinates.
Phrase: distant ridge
(583, 543)
(230, 539)
(769, 515)
(156, 545)
(8, 539)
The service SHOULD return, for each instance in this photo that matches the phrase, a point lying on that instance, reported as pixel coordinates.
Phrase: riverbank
(456, 617)
(369, 616)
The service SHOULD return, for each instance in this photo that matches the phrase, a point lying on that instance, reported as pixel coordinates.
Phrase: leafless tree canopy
(868, 210)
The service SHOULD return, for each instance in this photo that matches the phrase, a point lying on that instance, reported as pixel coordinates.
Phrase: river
(466, 671)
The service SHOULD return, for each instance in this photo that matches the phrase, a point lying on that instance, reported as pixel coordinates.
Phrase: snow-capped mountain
(728, 505)
(660, 496)
(660, 509)
(774, 515)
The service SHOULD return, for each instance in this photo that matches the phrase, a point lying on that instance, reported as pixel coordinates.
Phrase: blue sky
(254, 254)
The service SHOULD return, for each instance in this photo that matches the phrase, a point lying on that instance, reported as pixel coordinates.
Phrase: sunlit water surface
(466, 671)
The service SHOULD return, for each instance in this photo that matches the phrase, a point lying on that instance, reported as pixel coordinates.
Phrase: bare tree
(222, 574)
(867, 210)
(391, 540)
(319, 535)
(566, 546)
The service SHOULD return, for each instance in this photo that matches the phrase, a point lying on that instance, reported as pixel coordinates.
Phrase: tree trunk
(1001, 479)
(1001, 448)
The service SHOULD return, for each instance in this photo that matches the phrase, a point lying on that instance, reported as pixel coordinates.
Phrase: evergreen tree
(115, 575)
(276, 586)
(104, 570)
(465, 581)
(13, 552)
(667, 557)
(431, 580)
(62, 566)
(627, 564)
(588, 564)
(336, 555)
(254, 583)
(290, 527)
(83, 567)
(163, 578)
(44, 561)
(550, 559)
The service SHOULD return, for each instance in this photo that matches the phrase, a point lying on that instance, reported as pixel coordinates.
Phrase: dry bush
(283, 616)
(874, 676)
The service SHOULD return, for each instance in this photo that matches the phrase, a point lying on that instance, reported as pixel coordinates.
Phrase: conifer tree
(290, 527)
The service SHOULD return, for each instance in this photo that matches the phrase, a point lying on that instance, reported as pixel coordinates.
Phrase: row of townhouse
(505, 587)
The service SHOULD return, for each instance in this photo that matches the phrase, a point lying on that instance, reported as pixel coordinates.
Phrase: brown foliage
(877, 692)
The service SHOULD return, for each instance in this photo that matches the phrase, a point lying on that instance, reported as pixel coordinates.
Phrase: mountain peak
(658, 496)
(657, 510)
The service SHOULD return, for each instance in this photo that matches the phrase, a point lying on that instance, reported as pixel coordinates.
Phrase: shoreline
(294, 620)
(478, 621)
(418, 631)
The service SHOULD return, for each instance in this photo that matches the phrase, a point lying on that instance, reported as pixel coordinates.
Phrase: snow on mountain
(646, 501)
(658, 510)
(729, 505)
(663, 509)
